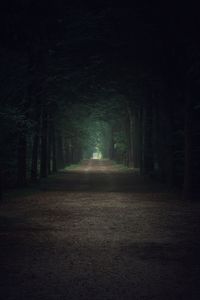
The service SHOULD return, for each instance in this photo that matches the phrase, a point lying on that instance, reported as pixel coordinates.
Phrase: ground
(102, 232)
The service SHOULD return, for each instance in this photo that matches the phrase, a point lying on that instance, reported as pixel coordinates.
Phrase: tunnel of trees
(79, 79)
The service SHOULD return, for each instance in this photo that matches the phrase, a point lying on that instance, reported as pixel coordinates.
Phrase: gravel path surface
(99, 232)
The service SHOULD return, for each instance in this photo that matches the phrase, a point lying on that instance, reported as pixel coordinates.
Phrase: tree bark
(130, 130)
(22, 157)
(44, 138)
(60, 151)
(1, 185)
(67, 151)
(34, 164)
(36, 140)
(49, 152)
(131, 120)
(147, 160)
(140, 138)
(54, 160)
(111, 150)
(187, 150)
(136, 143)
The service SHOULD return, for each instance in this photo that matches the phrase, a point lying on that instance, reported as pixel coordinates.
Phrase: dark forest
(94, 87)
(68, 68)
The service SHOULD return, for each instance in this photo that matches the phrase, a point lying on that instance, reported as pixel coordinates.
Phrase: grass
(121, 166)
(21, 192)
(33, 188)
(72, 167)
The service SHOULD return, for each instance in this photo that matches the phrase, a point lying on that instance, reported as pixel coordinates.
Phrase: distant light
(97, 155)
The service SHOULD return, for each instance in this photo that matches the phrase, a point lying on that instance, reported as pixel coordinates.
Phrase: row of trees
(62, 95)
(147, 130)
(40, 77)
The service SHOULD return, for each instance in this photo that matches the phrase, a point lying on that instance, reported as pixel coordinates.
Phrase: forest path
(99, 232)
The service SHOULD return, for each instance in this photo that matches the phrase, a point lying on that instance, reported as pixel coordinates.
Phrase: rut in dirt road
(99, 231)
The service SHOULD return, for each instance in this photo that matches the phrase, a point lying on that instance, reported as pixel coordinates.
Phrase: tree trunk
(60, 151)
(136, 143)
(111, 151)
(43, 164)
(131, 161)
(67, 151)
(130, 130)
(170, 151)
(1, 185)
(147, 160)
(49, 152)
(54, 161)
(127, 126)
(22, 156)
(187, 159)
(140, 139)
(36, 140)
(34, 164)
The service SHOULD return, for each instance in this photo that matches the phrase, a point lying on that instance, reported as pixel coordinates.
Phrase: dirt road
(99, 232)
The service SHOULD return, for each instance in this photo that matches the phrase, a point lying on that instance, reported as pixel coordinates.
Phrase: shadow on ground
(99, 232)
(102, 176)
